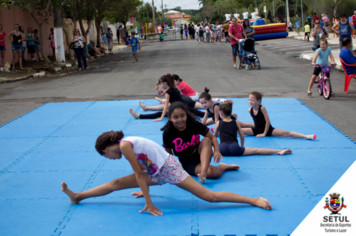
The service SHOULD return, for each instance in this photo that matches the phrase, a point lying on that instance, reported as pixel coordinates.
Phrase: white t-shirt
(228, 16)
(148, 153)
(207, 29)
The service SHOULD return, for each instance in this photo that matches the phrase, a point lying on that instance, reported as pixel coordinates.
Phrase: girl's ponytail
(177, 78)
(226, 108)
(206, 95)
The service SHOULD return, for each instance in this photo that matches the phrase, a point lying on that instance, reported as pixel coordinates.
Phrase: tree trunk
(32, 12)
(85, 34)
(58, 36)
(98, 33)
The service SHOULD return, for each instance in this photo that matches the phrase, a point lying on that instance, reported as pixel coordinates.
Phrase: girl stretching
(185, 89)
(181, 136)
(151, 166)
(161, 92)
(212, 109)
(172, 95)
(228, 128)
(262, 126)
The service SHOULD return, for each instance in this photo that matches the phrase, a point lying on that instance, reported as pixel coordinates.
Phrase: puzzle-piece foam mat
(55, 143)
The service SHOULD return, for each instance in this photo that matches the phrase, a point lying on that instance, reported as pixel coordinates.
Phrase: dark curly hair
(107, 139)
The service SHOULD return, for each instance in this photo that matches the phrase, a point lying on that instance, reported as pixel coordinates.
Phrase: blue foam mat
(55, 143)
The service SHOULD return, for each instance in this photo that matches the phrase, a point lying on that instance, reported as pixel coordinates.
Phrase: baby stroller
(248, 54)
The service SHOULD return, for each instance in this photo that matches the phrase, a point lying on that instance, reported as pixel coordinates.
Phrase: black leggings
(159, 114)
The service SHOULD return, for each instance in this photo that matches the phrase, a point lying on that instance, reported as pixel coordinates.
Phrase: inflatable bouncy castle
(269, 31)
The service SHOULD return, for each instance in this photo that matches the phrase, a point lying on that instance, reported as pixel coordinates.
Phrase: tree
(208, 11)
(120, 11)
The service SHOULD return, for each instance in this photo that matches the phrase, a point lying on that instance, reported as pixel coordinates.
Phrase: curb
(37, 75)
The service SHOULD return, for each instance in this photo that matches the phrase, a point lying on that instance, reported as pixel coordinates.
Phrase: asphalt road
(115, 77)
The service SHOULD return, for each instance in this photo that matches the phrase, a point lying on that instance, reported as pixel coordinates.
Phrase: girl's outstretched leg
(147, 108)
(134, 114)
(264, 151)
(279, 132)
(204, 170)
(248, 131)
(104, 189)
(190, 185)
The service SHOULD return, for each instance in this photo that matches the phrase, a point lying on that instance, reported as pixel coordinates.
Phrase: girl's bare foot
(73, 197)
(202, 178)
(21, 68)
(263, 203)
(286, 151)
(134, 114)
(144, 107)
(229, 167)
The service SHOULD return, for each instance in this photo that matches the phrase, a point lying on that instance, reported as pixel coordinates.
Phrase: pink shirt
(2, 37)
(354, 20)
(185, 89)
(236, 31)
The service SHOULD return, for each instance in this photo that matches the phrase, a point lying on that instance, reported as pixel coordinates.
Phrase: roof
(171, 12)
(178, 16)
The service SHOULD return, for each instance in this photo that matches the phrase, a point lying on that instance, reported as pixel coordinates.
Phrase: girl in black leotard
(228, 128)
(172, 94)
(212, 109)
(262, 125)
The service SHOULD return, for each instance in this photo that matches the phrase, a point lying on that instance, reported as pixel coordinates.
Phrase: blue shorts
(134, 52)
(2, 48)
(16, 47)
(231, 149)
(354, 27)
(235, 50)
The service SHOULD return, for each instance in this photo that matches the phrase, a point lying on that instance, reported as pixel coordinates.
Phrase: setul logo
(335, 205)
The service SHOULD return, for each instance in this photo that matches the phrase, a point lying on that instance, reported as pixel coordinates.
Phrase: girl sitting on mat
(262, 125)
(172, 95)
(185, 89)
(181, 136)
(161, 92)
(228, 128)
(212, 108)
(151, 166)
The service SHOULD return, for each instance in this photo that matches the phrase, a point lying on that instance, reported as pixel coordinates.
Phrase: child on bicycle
(321, 58)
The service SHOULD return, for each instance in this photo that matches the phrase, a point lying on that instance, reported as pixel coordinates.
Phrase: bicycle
(324, 85)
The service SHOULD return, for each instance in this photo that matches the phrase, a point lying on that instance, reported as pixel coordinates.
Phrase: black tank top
(211, 114)
(16, 38)
(259, 119)
(174, 96)
(228, 131)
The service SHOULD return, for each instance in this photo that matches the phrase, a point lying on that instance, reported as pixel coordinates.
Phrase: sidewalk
(39, 69)
(310, 56)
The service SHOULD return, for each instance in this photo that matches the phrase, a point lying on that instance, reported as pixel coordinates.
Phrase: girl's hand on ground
(260, 135)
(217, 156)
(138, 194)
(160, 119)
(152, 210)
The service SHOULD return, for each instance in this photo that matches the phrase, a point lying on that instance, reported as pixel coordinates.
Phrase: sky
(184, 4)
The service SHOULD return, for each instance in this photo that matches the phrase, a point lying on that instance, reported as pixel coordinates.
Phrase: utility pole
(301, 9)
(273, 11)
(153, 13)
(287, 9)
(58, 35)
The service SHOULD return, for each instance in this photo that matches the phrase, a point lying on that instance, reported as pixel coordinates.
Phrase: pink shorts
(52, 44)
(171, 172)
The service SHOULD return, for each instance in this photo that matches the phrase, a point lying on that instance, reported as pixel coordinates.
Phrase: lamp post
(301, 9)
(287, 8)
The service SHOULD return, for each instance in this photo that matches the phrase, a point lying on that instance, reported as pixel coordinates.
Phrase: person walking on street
(181, 31)
(315, 17)
(346, 29)
(318, 33)
(236, 31)
(354, 22)
(16, 38)
(122, 34)
(103, 36)
(110, 38)
(79, 41)
(207, 33)
(226, 31)
(306, 30)
(335, 22)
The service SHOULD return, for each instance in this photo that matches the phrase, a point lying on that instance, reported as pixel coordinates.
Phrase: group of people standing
(20, 42)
